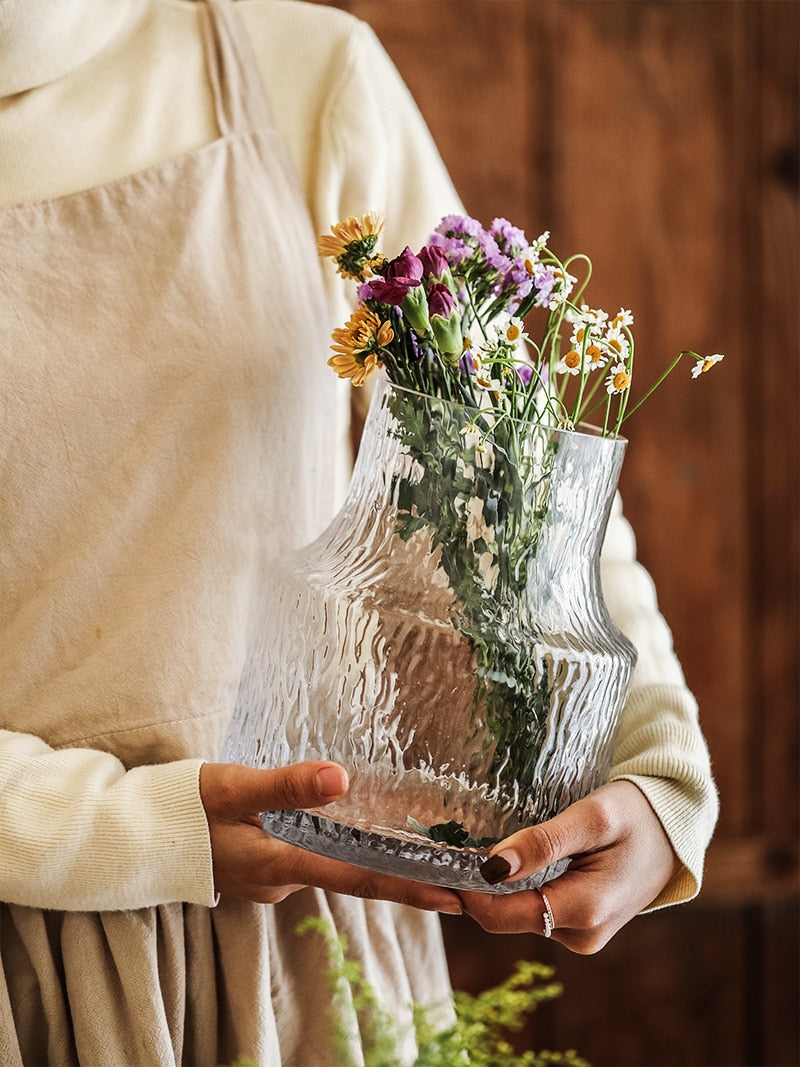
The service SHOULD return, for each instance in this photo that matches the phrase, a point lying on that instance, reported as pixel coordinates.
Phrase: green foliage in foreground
(477, 1038)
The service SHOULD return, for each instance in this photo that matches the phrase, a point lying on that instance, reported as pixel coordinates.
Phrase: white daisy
(703, 365)
(618, 379)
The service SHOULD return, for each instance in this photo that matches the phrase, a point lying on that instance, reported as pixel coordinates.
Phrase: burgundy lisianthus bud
(434, 262)
(441, 302)
(399, 276)
(445, 321)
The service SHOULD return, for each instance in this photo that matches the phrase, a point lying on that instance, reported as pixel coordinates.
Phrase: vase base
(430, 862)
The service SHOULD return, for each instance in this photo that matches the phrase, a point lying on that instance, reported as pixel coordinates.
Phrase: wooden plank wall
(661, 138)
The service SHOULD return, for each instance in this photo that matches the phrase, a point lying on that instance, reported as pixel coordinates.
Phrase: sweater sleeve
(379, 152)
(82, 833)
(660, 747)
(355, 134)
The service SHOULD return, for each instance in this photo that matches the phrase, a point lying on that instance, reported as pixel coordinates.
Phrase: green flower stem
(577, 406)
(625, 397)
(606, 415)
(591, 393)
(579, 256)
(664, 376)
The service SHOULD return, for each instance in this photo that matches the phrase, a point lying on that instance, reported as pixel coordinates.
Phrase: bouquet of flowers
(450, 322)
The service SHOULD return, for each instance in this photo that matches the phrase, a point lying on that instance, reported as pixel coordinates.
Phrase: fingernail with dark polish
(495, 869)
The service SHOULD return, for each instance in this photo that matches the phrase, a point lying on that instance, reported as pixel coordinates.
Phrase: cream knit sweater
(93, 90)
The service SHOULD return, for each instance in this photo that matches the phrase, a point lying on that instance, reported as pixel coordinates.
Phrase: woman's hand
(621, 860)
(250, 864)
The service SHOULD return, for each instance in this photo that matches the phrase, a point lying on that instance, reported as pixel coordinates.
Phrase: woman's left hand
(621, 860)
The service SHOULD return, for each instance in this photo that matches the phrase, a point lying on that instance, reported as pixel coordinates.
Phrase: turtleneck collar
(42, 40)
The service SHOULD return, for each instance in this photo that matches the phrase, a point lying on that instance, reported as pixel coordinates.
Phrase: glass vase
(446, 640)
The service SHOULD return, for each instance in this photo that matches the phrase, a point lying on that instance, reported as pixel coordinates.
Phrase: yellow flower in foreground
(357, 346)
(352, 244)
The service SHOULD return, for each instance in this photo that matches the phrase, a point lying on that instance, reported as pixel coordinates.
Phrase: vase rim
(582, 430)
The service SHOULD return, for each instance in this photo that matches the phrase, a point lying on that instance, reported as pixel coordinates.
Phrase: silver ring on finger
(548, 921)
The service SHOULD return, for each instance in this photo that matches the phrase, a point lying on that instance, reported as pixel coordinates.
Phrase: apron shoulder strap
(240, 100)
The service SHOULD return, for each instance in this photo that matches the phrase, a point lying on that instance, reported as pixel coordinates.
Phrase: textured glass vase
(446, 640)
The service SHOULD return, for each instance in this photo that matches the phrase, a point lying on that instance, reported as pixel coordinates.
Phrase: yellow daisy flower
(352, 244)
(357, 345)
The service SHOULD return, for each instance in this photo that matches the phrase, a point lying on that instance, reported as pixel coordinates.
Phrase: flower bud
(415, 309)
(398, 277)
(445, 322)
(435, 266)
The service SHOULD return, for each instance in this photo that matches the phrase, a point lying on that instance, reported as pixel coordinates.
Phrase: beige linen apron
(166, 427)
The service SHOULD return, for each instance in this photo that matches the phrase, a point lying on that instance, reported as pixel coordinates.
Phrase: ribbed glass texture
(446, 640)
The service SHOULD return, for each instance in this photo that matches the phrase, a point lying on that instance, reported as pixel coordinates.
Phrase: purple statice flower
(520, 277)
(465, 242)
(398, 277)
(459, 226)
(510, 239)
(524, 372)
(416, 351)
(544, 280)
(454, 248)
(515, 284)
(493, 256)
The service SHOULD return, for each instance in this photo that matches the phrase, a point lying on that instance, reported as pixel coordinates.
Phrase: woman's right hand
(248, 863)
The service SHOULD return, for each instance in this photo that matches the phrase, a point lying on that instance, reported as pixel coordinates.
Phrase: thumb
(583, 827)
(229, 790)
